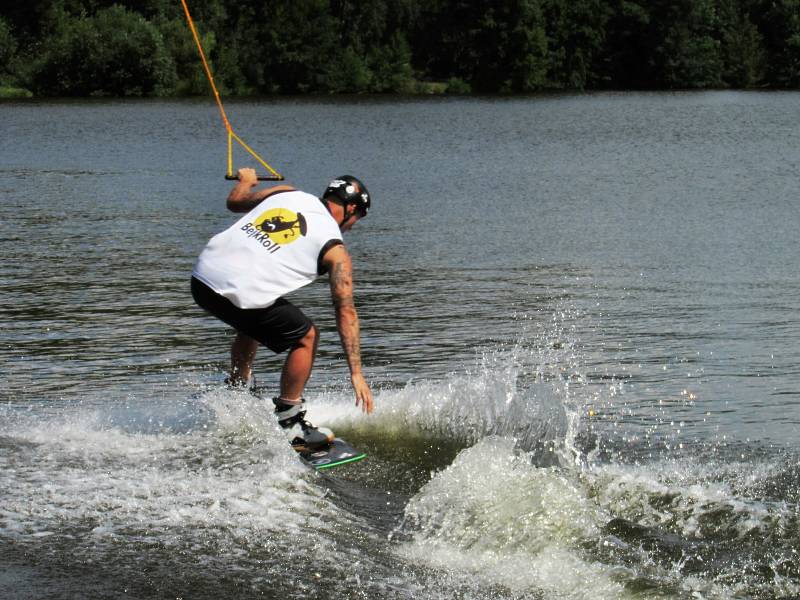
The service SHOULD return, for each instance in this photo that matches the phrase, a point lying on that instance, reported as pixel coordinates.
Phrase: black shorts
(278, 327)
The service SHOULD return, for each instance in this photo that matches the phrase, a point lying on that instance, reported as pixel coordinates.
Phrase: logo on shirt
(276, 227)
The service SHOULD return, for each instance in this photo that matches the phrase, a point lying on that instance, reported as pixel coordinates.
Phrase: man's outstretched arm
(340, 267)
(242, 197)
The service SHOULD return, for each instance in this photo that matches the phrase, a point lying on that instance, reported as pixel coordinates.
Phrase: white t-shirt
(272, 250)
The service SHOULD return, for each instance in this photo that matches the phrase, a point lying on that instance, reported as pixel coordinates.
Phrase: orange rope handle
(274, 175)
(205, 65)
(253, 154)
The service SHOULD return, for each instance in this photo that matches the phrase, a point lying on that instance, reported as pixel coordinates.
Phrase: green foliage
(8, 51)
(457, 86)
(190, 78)
(143, 47)
(390, 66)
(625, 60)
(741, 46)
(8, 45)
(780, 27)
(14, 92)
(497, 45)
(116, 52)
(577, 34)
(690, 56)
(349, 73)
(302, 53)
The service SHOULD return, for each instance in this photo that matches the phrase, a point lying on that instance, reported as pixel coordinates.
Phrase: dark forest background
(121, 48)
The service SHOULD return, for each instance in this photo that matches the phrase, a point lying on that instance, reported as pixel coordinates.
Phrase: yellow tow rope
(274, 175)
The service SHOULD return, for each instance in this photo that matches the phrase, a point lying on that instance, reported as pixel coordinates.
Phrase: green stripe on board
(341, 462)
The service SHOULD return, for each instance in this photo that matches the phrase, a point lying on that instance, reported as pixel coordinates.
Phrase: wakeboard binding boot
(310, 438)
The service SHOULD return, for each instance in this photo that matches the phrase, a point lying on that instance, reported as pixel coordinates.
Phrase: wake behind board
(338, 453)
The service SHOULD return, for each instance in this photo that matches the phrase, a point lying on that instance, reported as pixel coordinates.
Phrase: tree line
(144, 47)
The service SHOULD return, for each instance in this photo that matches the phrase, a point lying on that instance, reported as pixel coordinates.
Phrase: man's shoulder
(297, 197)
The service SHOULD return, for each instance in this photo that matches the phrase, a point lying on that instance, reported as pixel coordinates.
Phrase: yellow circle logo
(281, 225)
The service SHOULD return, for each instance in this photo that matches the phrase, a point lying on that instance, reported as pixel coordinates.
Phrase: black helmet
(347, 189)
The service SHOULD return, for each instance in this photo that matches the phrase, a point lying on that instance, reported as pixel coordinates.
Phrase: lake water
(579, 317)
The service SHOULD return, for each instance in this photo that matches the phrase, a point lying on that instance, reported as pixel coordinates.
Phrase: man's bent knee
(310, 338)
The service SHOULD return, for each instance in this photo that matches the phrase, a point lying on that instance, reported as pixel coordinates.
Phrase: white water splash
(497, 517)
(236, 481)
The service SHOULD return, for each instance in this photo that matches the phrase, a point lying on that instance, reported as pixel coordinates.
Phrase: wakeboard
(337, 453)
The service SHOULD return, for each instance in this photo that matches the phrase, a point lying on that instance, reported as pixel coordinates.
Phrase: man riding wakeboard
(286, 240)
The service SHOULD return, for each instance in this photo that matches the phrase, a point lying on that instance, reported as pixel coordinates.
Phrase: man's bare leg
(243, 352)
(298, 365)
(289, 409)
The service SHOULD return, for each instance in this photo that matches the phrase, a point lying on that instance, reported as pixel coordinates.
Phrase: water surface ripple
(579, 315)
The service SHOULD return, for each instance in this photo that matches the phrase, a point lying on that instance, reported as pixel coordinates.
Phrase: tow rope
(273, 174)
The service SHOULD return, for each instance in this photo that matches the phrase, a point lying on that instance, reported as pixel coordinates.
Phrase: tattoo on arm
(342, 284)
(341, 276)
